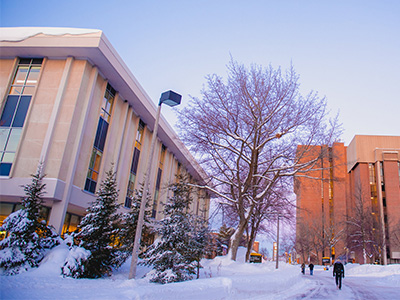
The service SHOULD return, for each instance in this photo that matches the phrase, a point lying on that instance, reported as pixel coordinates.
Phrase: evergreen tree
(97, 234)
(170, 255)
(127, 231)
(200, 242)
(28, 237)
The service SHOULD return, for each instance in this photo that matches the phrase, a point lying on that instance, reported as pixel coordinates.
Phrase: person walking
(311, 266)
(303, 268)
(338, 271)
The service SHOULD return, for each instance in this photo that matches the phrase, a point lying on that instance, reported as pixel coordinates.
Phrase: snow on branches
(246, 131)
(28, 237)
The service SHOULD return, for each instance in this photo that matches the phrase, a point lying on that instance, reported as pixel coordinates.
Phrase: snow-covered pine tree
(97, 234)
(127, 231)
(169, 255)
(28, 237)
(199, 245)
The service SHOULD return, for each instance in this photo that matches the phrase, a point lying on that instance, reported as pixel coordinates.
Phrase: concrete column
(127, 118)
(54, 114)
(59, 209)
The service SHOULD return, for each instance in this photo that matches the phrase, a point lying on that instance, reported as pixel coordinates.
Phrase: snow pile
(383, 275)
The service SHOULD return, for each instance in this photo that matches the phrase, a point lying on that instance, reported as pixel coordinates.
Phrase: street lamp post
(277, 244)
(170, 98)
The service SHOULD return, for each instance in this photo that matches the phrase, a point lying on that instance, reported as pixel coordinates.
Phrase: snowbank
(221, 278)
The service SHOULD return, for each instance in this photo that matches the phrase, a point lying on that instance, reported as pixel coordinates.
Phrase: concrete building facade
(70, 102)
(350, 186)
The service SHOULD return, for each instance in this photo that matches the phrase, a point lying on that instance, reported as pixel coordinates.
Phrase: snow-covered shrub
(75, 262)
(27, 238)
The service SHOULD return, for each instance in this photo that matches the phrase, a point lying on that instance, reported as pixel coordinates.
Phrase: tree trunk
(235, 240)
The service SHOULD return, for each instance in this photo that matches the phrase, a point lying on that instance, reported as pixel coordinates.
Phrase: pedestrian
(338, 271)
(311, 266)
(303, 268)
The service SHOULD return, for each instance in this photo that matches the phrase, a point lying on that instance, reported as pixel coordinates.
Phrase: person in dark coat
(303, 268)
(311, 266)
(338, 271)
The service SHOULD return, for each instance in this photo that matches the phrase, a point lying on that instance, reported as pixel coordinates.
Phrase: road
(322, 286)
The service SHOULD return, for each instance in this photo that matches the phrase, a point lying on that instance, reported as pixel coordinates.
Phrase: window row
(15, 110)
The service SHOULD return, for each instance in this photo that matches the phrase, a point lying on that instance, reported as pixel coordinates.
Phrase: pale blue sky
(348, 51)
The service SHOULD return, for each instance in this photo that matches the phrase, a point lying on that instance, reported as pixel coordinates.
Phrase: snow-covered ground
(220, 278)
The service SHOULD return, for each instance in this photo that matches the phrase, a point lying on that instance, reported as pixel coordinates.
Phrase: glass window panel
(13, 140)
(105, 116)
(128, 202)
(92, 187)
(104, 105)
(162, 156)
(139, 135)
(33, 76)
(106, 102)
(131, 185)
(37, 61)
(28, 90)
(95, 176)
(158, 181)
(92, 159)
(6, 209)
(8, 157)
(3, 137)
(5, 169)
(16, 90)
(44, 213)
(135, 161)
(75, 220)
(18, 207)
(132, 177)
(25, 61)
(21, 111)
(98, 132)
(20, 76)
(103, 135)
(96, 166)
(9, 110)
(87, 184)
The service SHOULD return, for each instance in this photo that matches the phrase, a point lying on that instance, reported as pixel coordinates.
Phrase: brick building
(351, 186)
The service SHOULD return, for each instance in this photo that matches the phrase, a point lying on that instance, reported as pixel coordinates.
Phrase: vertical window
(15, 110)
(100, 139)
(374, 193)
(156, 194)
(135, 163)
(398, 164)
(158, 181)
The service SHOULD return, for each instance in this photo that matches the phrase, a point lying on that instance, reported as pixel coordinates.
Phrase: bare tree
(287, 243)
(245, 133)
(304, 241)
(264, 252)
(363, 231)
(275, 204)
